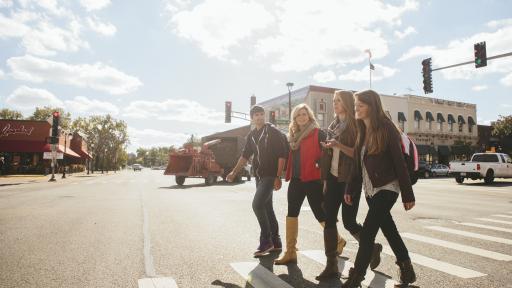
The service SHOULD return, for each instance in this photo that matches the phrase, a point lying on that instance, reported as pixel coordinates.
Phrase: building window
(417, 124)
(470, 128)
(461, 122)
(320, 119)
(471, 123)
(451, 120)
(440, 121)
(440, 126)
(430, 119)
(401, 121)
(401, 124)
(417, 118)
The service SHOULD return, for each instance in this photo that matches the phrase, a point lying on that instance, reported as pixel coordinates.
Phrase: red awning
(33, 147)
(84, 154)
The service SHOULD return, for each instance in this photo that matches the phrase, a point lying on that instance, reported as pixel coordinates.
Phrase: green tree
(503, 126)
(42, 114)
(10, 114)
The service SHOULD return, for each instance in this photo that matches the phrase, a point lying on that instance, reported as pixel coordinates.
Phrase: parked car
(487, 166)
(137, 167)
(423, 169)
(439, 170)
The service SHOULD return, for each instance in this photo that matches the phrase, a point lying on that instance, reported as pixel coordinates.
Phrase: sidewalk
(9, 180)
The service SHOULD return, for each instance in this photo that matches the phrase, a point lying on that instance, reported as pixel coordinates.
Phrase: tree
(10, 114)
(503, 127)
(42, 114)
(196, 142)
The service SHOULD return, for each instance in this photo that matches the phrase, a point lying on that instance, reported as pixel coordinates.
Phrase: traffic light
(227, 110)
(272, 117)
(55, 128)
(427, 75)
(480, 55)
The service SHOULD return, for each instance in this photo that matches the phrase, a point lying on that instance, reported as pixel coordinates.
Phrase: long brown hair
(377, 138)
(347, 101)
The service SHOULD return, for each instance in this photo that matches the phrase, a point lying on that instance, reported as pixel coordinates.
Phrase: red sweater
(310, 153)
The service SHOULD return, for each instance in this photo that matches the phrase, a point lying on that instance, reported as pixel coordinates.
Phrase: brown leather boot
(341, 242)
(330, 243)
(377, 248)
(354, 279)
(290, 255)
(406, 272)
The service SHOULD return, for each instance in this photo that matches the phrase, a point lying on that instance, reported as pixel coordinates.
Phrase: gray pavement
(114, 230)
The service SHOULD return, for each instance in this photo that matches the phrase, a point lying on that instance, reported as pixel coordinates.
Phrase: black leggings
(333, 200)
(379, 217)
(298, 191)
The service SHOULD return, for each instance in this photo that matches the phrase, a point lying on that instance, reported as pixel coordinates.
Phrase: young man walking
(267, 145)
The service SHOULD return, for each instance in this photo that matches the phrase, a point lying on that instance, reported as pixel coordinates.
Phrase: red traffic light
(56, 114)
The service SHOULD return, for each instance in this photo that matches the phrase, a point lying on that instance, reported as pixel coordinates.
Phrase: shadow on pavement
(185, 186)
(10, 184)
(494, 184)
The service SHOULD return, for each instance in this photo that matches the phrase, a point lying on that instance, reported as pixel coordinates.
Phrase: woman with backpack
(381, 172)
(337, 162)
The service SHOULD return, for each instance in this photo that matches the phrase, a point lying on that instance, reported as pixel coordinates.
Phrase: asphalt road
(131, 229)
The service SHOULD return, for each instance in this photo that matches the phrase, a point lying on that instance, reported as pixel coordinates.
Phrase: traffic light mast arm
(473, 62)
(243, 116)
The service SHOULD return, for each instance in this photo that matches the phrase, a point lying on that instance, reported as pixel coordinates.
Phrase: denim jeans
(264, 209)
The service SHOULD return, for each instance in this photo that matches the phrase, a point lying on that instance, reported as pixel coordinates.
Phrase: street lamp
(66, 134)
(289, 85)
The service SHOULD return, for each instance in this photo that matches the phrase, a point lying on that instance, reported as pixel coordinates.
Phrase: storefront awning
(451, 119)
(84, 154)
(461, 120)
(461, 150)
(417, 115)
(425, 149)
(443, 150)
(33, 147)
(440, 117)
(430, 117)
(471, 121)
(401, 117)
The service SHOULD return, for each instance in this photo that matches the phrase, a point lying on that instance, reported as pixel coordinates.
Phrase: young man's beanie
(256, 109)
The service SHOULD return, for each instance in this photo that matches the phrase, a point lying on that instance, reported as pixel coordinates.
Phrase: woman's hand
(330, 143)
(348, 199)
(409, 205)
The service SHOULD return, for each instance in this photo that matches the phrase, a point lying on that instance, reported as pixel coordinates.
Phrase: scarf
(336, 128)
(301, 134)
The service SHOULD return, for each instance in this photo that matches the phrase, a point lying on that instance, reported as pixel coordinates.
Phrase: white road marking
(164, 282)
(495, 221)
(471, 234)
(501, 215)
(148, 259)
(305, 208)
(458, 247)
(371, 279)
(258, 276)
(501, 229)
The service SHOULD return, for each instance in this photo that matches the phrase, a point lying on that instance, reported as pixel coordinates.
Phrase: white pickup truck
(485, 166)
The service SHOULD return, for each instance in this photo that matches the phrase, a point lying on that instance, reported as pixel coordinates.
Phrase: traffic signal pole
(473, 62)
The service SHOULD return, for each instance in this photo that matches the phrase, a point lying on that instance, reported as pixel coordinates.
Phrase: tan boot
(292, 229)
(341, 242)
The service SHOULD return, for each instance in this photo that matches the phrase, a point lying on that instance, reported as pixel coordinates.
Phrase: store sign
(20, 130)
(48, 155)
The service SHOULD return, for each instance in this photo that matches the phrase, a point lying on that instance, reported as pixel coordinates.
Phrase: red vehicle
(189, 162)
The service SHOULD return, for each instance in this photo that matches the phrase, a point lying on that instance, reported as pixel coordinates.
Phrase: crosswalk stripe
(501, 229)
(435, 264)
(470, 234)
(258, 276)
(503, 216)
(372, 279)
(495, 221)
(305, 208)
(164, 282)
(458, 247)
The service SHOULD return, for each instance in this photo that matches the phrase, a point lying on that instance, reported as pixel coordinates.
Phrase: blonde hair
(294, 126)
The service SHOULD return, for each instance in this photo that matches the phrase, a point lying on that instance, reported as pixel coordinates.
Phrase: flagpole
(370, 67)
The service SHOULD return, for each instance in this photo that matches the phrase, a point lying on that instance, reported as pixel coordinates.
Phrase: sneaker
(264, 248)
(278, 245)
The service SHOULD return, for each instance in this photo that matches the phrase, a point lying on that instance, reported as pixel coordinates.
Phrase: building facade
(443, 130)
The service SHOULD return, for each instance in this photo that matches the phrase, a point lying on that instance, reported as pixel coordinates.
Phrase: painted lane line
(258, 276)
(471, 234)
(459, 247)
(495, 221)
(157, 283)
(501, 229)
(501, 215)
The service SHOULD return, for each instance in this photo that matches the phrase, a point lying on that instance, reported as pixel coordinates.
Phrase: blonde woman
(303, 172)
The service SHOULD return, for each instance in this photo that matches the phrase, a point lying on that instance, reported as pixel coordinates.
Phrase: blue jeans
(264, 209)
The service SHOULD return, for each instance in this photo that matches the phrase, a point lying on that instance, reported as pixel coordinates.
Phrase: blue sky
(167, 66)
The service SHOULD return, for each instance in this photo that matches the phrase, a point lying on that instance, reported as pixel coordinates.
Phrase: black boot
(354, 279)
(331, 245)
(406, 272)
(377, 248)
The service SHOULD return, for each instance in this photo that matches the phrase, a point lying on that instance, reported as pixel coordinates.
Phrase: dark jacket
(384, 167)
(345, 163)
(267, 145)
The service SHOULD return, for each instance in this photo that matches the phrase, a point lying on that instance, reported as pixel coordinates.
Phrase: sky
(166, 67)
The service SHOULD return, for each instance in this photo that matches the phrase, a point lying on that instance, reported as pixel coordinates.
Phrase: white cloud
(148, 138)
(380, 72)
(507, 80)
(216, 30)
(104, 28)
(47, 39)
(10, 27)
(499, 23)
(479, 87)
(408, 31)
(461, 50)
(176, 110)
(97, 76)
(2, 74)
(299, 36)
(85, 106)
(324, 77)
(5, 3)
(27, 98)
(90, 5)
